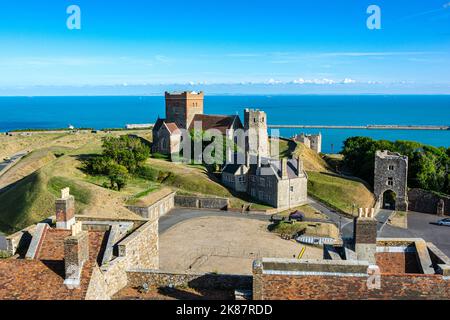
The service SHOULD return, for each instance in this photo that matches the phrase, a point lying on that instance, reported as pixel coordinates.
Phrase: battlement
(390, 155)
(184, 95)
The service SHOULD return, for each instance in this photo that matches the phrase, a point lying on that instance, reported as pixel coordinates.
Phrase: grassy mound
(340, 193)
(311, 160)
(31, 200)
(25, 203)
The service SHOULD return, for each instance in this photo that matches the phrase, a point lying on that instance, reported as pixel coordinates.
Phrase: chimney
(365, 236)
(65, 210)
(76, 254)
(284, 169)
(299, 166)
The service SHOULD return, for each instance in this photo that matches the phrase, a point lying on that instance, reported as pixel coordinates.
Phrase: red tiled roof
(43, 278)
(173, 128)
(221, 123)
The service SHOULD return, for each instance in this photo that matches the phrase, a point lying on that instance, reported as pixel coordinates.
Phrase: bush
(127, 151)
(148, 173)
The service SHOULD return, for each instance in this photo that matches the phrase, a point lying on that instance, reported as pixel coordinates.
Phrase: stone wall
(156, 210)
(139, 250)
(98, 287)
(282, 279)
(202, 203)
(426, 201)
(18, 242)
(158, 279)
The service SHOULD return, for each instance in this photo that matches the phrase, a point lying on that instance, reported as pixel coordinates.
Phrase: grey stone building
(282, 184)
(312, 141)
(391, 180)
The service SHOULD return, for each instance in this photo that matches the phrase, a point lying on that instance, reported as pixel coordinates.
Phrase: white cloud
(273, 81)
(323, 81)
(348, 81)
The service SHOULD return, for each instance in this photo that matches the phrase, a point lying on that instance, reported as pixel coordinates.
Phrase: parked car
(444, 222)
(297, 216)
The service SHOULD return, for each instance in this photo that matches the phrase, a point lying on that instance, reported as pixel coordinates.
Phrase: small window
(391, 168)
(292, 189)
(390, 182)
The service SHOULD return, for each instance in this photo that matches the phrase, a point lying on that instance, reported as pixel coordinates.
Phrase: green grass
(82, 195)
(289, 228)
(316, 229)
(307, 210)
(339, 193)
(286, 147)
(31, 200)
(25, 203)
(135, 198)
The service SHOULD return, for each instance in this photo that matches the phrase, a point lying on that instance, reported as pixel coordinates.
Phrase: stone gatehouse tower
(182, 107)
(391, 176)
(255, 124)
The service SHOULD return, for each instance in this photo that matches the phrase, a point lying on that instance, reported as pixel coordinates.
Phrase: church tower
(182, 107)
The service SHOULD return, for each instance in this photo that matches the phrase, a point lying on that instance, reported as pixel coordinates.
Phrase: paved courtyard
(422, 225)
(222, 244)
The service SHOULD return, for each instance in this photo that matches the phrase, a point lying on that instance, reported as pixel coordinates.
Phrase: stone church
(183, 111)
(279, 183)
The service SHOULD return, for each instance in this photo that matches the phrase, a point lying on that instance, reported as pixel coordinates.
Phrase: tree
(128, 151)
(428, 166)
(118, 176)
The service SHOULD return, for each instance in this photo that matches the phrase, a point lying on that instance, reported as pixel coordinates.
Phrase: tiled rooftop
(43, 278)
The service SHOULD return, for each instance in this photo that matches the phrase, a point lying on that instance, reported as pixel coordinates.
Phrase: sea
(101, 112)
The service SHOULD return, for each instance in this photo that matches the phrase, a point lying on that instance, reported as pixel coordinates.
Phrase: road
(177, 216)
(345, 223)
(13, 159)
(422, 225)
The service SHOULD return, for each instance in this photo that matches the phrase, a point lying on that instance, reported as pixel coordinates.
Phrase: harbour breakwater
(367, 127)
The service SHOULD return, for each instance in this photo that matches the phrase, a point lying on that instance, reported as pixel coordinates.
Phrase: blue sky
(275, 43)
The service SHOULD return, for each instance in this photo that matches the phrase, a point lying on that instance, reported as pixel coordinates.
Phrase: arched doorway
(389, 200)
